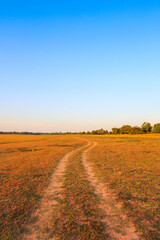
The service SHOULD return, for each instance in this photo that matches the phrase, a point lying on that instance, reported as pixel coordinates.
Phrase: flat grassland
(128, 164)
(26, 164)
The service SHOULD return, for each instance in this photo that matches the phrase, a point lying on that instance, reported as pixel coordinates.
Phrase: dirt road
(116, 223)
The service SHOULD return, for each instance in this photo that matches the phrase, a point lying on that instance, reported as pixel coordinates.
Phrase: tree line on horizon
(146, 128)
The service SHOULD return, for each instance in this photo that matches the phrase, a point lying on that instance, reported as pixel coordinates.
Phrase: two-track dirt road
(115, 221)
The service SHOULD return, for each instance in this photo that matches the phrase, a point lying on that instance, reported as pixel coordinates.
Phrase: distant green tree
(115, 130)
(136, 130)
(156, 128)
(146, 127)
(106, 132)
(125, 129)
(95, 132)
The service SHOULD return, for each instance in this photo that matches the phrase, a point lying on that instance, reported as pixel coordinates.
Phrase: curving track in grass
(76, 205)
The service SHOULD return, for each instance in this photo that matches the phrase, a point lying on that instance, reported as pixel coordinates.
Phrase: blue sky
(79, 65)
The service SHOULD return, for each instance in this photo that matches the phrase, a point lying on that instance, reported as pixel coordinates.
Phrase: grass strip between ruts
(77, 215)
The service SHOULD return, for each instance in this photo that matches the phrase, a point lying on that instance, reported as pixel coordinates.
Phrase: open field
(131, 167)
(88, 184)
(26, 163)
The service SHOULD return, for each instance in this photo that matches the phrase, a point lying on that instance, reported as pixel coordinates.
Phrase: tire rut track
(40, 226)
(117, 223)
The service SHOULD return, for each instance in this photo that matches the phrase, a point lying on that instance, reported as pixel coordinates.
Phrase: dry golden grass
(131, 166)
(26, 163)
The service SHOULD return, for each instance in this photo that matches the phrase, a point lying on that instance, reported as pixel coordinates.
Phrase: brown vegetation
(26, 165)
(128, 165)
(131, 166)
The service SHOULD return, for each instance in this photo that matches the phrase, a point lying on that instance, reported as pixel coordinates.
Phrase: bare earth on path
(40, 227)
(117, 223)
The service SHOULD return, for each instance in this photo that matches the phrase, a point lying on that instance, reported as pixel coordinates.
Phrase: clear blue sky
(79, 65)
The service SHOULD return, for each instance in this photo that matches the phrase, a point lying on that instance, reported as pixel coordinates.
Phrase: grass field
(128, 164)
(26, 163)
(131, 167)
